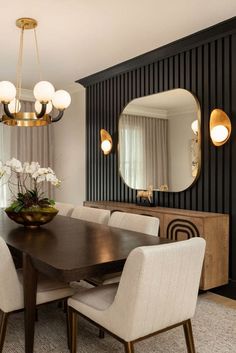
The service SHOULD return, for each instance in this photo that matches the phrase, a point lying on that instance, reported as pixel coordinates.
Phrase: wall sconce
(106, 141)
(194, 127)
(220, 127)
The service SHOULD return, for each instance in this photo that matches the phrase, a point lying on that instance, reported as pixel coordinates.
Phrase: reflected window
(157, 145)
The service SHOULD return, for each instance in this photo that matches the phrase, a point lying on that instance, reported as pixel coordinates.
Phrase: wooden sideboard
(181, 224)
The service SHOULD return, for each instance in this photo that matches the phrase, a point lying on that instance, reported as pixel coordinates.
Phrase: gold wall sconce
(106, 141)
(220, 127)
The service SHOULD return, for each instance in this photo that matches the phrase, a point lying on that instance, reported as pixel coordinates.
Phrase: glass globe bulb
(106, 146)
(194, 127)
(44, 91)
(219, 133)
(61, 99)
(14, 106)
(38, 107)
(7, 91)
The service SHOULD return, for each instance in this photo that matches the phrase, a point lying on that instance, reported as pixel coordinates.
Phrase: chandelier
(44, 92)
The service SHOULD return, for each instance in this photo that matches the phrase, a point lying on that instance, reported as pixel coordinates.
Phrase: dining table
(67, 249)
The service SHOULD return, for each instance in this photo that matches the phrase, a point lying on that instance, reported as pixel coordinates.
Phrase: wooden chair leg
(73, 330)
(101, 333)
(68, 328)
(129, 347)
(3, 327)
(36, 315)
(188, 332)
(65, 306)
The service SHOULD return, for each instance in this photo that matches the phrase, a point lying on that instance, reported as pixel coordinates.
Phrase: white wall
(69, 150)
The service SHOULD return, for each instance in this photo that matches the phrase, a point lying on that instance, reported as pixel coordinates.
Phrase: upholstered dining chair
(157, 292)
(136, 222)
(130, 221)
(11, 289)
(90, 214)
(65, 209)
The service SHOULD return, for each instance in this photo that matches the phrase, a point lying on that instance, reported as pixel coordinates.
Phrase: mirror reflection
(159, 141)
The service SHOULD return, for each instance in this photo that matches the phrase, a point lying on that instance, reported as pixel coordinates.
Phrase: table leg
(30, 288)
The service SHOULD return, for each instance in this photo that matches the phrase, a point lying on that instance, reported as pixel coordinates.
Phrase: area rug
(214, 327)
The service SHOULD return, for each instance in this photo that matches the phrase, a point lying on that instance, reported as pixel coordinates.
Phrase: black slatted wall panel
(208, 71)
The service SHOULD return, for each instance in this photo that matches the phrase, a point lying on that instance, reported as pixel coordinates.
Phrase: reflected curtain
(26, 144)
(143, 151)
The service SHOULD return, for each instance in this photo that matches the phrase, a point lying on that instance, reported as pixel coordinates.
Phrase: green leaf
(18, 208)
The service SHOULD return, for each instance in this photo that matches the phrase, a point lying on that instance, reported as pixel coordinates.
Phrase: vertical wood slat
(193, 88)
(208, 71)
(227, 67)
(233, 159)
(219, 104)
(205, 130)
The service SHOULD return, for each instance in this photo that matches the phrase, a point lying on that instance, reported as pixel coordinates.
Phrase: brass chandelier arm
(43, 111)
(59, 116)
(7, 111)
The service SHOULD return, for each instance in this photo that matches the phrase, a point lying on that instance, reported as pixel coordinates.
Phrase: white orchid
(15, 165)
(30, 168)
(51, 177)
(2, 171)
(7, 170)
(21, 177)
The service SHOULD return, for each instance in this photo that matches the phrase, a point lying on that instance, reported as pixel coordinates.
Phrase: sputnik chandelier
(44, 92)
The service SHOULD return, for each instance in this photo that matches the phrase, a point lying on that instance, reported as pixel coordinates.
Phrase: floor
(219, 299)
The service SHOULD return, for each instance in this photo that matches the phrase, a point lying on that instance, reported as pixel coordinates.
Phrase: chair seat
(48, 289)
(99, 298)
(108, 278)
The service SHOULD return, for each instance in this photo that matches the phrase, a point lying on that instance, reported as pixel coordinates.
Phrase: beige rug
(214, 329)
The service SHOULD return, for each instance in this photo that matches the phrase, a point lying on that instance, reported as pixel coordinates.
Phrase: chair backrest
(65, 209)
(158, 287)
(11, 293)
(138, 223)
(90, 214)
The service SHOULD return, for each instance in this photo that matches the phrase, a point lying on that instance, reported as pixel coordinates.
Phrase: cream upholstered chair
(65, 209)
(90, 214)
(130, 221)
(136, 222)
(157, 291)
(11, 289)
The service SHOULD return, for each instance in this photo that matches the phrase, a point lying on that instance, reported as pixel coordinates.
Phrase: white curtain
(5, 153)
(26, 144)
(143, 145)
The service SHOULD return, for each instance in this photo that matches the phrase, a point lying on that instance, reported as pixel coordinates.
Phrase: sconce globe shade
(106, 146)
(14, 106)
(44, 91)
(194, 127)
(38, 107)
(219, 133)
(7, 91)
(61, 99)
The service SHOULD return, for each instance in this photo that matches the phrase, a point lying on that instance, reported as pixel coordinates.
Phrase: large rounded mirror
(159, 141)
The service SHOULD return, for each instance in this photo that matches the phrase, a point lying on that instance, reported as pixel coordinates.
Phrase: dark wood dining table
(67, 249)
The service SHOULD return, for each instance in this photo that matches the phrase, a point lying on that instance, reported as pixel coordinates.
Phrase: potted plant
(29, 205)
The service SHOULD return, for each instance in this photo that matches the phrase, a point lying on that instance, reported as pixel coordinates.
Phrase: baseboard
(232, 283)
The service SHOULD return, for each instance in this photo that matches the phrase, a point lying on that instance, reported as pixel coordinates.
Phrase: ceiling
(80, 37)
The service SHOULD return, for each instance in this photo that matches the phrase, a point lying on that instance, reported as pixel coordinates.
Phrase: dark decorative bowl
(32, 219)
